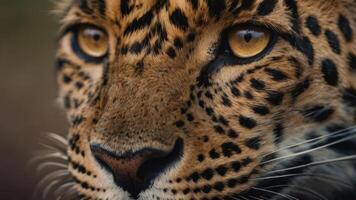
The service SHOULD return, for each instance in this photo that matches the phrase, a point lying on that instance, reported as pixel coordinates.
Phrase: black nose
(135, 171)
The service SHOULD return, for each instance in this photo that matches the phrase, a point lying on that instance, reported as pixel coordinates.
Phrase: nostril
(135, 171)
(155, 166)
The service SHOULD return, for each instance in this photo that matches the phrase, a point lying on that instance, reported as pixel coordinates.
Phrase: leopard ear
(61, 7)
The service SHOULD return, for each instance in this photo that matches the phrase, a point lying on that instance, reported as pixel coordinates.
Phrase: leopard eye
(92, 42)
(249, 42)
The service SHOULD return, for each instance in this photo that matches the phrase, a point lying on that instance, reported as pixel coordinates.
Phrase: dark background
(27, 91)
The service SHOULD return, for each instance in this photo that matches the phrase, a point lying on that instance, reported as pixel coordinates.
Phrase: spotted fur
(278, 127)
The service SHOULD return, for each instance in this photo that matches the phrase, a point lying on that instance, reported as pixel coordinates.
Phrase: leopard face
(209, 99)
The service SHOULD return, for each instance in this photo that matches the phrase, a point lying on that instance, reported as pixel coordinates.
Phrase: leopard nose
(135, 171)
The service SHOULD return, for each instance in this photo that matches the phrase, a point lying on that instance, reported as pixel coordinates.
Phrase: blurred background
(27, 91)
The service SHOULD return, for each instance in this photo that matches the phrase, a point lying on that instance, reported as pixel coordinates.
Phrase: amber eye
(249, 42)
(93, 42)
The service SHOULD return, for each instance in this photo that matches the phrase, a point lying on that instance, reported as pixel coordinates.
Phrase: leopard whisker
(318, 163)
(256, 198)
(44, 165)
(275, 193)
(310, 150)
(240, 196)
(48, 156)
(316, 140)
(316, 194)
(319, 176)
(54, 175)
(48, 188)
(69, 191)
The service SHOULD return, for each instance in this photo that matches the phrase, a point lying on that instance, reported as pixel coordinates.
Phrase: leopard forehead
(163, 85)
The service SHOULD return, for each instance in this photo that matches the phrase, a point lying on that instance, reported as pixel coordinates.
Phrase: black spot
(67, 79)
(253, 143)
(236, 166)
(194, 177)
(206, 188)
(232, 134)
(140, 23)
(219, 130)
(349, 97)
(136, 48)
(313, 25)
(186, 191)
(219, 186)
(261, 110)
(247, 122)
(191, 37)
(236, 92)
(124, 50)
(266, 7)
(79, 85)
(67, 102)
(276, 75)
(102, 7)
(209, 95)
(231, 183)
(345, 27)
(213, 154)
(248, 95)
(179, 124)
(300, 88)
(333, 41)
(229, 148)
(216, 7)
(221, 170)
(223, 120)
(179, 19)
(194, 4)
(292, 6)
(318, 113)
(125, 7)
(84, 7)
(257, 84)
(352, 62)
(208, 174)
(245, 5)
(302, 44)
(190, 117)
(330, 72)
(201, 157)
(178, 43)
(275, 98)
(209, 111)
(246, 161)
(278, 133)
(171, 52)
(226, 101)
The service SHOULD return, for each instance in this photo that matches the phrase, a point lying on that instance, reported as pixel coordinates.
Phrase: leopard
(205, 99)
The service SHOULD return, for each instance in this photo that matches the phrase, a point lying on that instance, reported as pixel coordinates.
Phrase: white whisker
(55, 155)
(317, 140)
(345, 158)
(319, 176)
(319, 196)
(309, 150)
(51, 164)
(275, 193)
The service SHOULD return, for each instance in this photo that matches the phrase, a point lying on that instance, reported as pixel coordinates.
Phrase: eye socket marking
(239, 45)
(248, 42)
(93, 42)
(90, 43)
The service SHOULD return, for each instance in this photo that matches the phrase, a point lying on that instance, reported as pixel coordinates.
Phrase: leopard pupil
(248, 37)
